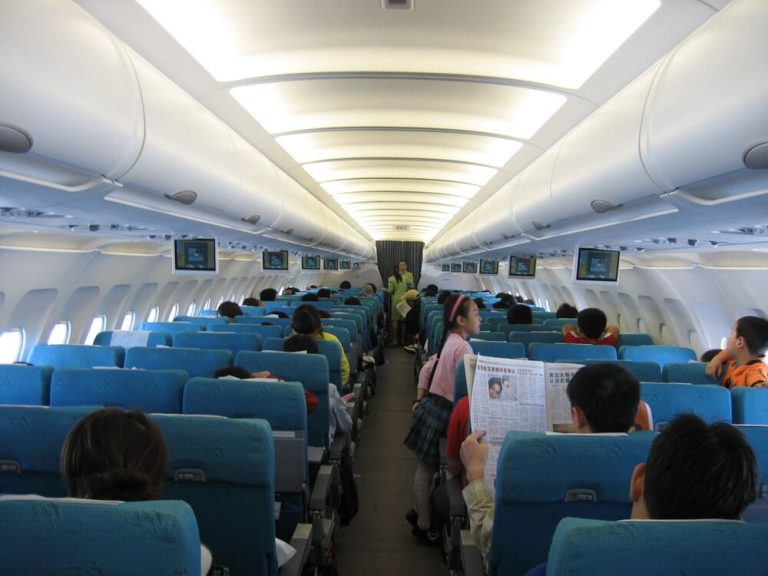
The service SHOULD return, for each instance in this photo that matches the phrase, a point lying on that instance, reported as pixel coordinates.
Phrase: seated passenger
(591, 328)
(229, 310)
(324, 293)
(604, 399)
(268, 295)
(242, 374)
(250, 301)
(345, 285)
(480, 303)
(431, 290)
(744, 353)
(309, 297)
(289, 291)
(519, 314)
(306, 320)
(566, 310)
(709, 354)
(694, 471)
(111, 454)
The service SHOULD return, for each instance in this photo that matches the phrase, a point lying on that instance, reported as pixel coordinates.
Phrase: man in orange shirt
(744, 354)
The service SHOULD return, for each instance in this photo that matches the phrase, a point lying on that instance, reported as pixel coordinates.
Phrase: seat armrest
(471, 558)
(457, 509)
(321, 490)
(339, 444)
(302, 541)
(315, 454)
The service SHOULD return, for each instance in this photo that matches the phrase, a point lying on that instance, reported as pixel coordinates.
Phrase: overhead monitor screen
(445, 268)
(455, 267)
(197, 256)
(345, 264)
(469, 268)
(330, 263)
(275, 260)
(310, 262)
(522, 266)
(596, 265)
(489, 266)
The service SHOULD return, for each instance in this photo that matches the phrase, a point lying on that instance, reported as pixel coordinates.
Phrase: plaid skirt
(428, 424)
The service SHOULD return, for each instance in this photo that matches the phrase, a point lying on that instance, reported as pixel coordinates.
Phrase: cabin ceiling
(402, 120)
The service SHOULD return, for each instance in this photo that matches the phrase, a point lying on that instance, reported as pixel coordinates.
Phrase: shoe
(430, 537)
(369, 359)
(410, 348)
(413, 518)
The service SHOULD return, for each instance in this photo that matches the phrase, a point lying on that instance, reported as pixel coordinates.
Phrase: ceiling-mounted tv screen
(489, 266)
(310, 262)
(456, 267)
(522, 266)
(445, 268)
(469, 268)
(345, 264)
(195, 256)
(596, 265)
(355, 265)
(275, 260)
(330, 263)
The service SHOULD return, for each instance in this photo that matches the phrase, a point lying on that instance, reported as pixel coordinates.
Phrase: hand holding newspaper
(517, 395)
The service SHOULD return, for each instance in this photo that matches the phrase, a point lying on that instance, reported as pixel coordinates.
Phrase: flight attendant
(398, 284)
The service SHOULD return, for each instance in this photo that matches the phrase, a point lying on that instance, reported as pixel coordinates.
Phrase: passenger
(352, 301)
(566, 310)
(519, 314)
(431, 290)
(268, 295)
(591, 328)
(309, 297)
(306, 320)
(411, 321)
(242, 374)
(745, 355)
(369, 289)
(604, 399)
(694, 471)
(709, 354)
(229, 310)
(504, 302)
(398, 284)
(111, 454)
(480, 303)
(290, 291)
(433, 405)
(345, 285)
(324, 293)
(339, 419)
(443, 296)
(250, 301)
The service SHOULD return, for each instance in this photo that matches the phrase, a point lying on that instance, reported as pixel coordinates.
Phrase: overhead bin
(302, 215)
(707, 107)
(260, 202)
(493, 224)
(532, 206)
(69, 104)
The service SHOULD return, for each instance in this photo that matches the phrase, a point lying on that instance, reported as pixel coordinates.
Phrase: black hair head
(306, 320)
(301, 343)
(352, 301)
(566, 310)
(696, 470)
(268, 295)
(607, 394)
(309, 297)
(324, 293)
(236, 371)
(345, 285)
(519, 314)
(250, 301)
(229, 309)
(754, 330)
(591, 322)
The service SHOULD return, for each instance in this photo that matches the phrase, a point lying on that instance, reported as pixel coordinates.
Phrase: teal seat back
(76, 356)
(20, 384)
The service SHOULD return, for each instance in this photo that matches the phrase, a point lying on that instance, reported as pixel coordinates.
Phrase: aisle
(379, 540)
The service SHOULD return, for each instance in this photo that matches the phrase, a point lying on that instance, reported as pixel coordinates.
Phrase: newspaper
(403, 308)
(517, 395)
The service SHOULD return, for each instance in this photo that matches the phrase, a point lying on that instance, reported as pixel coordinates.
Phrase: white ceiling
(402, 120)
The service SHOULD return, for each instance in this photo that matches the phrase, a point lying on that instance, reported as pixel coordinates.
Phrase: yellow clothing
(344, 362)
(398, 290)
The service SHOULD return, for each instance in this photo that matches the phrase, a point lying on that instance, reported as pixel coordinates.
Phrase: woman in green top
(398, 284)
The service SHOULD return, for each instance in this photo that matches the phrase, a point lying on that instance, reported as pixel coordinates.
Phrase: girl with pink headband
(433, 405)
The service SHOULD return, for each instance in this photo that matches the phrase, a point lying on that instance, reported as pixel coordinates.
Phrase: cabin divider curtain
(390, 252)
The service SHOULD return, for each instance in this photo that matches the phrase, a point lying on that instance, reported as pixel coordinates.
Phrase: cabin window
(59, 333)
(174, 311)
(153, 314)
(191, 308)
(127, 323)
(97, 325)
(207, 305)
(221, 299)
(11, 345)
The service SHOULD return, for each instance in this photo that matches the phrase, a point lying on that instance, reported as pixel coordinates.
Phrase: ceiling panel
(419, 169)
(400, 185)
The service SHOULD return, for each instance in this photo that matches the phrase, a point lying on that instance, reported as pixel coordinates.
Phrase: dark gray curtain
(390, 252)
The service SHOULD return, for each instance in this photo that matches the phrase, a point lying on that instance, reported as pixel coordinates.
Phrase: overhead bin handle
(87, 185)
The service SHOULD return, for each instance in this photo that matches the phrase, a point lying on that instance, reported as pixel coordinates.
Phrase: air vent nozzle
(603, 206)
(15, 140)
(540, 225)
(185, 197)
(397, 4)
(756, 157)
(252, 219)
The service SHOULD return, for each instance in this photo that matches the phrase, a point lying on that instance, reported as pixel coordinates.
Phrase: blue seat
(544, 478)
(268, 331)
(174, 327)
(131, 338)
(350, 325)
(643, 371)
(558, 323)
(525, 338)
(668, 399)
(557, 352)
(757, 436)
(196, 362)
(583, 547)
(660, 354)
(507, 328)
(207, 320)
(145, 390)
(342, 334)
(233, 342)
(460, 383)
(491, 336)
(52, 536)
(273, 344)
(283, 405)
(635, 339)
(31, 438)
(76, 356)
(225, 469)
(750, 405)
(309, 369)
(499, 349)
(691, 372)
(283, 323)
(21, 384)
(252, 310)
(332, 353)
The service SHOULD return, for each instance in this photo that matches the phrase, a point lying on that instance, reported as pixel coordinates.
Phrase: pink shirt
(453, 352)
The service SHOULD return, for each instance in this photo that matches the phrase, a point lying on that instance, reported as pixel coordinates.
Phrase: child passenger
(744, 354)
(591, 328)
(433, 405)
